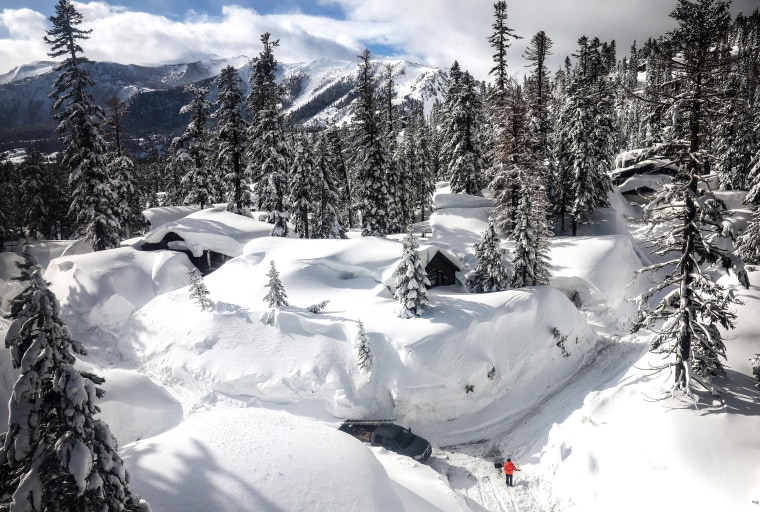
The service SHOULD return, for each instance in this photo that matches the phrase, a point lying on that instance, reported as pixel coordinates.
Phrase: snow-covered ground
(236, 409)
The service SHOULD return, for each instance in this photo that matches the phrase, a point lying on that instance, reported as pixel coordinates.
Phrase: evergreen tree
(688, 305)
(499, 40)
(127, 206)
(276, 296)
(192, 149)
(530, 266)
(304, 186)
(267, 150)
(371, 158)
(230, 140)
(199, 292)
(538, 89)
(410, 281)
(397, 187)
(461, 150)
(36, 194)
(327, 223)
(490, 274)
(336, 137)
(363, 352)
(56, 455)
(79, 120)
(586, 137)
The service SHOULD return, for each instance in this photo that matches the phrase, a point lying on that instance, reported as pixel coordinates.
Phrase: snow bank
(135, 407)
(106, 287)
(255, 459)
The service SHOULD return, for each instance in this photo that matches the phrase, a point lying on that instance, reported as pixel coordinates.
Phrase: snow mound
(106, 287)
(254, 459)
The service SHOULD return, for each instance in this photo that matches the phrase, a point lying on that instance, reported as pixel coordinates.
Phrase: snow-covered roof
(164, 214)
(212, 229)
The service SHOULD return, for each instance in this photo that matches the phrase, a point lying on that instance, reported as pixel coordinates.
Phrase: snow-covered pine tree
(127, 206)
(371, 157)
(276, 296)
(530, 265)
(748, 243)
(304, 185)
(363, 352)
(198, 291)
(267, 148)
(192, 149)
(490, 274)
(230, 140)
(318, 307)
(56, 455)
(538, 89)
(327, 223)
(36, 194)
(687, 306)
(410, 280)
(461, 151)
(79, 120)
(336, 138)
(586, 136)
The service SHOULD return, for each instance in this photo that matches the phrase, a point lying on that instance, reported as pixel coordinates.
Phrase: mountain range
(316, 92)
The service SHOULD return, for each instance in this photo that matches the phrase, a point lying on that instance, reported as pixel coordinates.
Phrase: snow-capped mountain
(316, 92)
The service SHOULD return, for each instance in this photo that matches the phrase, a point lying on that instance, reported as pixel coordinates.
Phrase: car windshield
(404, 438)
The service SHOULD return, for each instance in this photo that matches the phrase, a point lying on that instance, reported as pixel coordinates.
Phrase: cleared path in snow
(470, 467)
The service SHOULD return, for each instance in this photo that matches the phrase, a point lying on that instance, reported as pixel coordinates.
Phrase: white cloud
(435, 32)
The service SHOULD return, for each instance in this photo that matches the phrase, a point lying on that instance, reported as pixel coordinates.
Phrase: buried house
(441, 267)
(209, 237)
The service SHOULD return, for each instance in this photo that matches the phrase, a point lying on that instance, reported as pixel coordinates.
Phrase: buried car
(390, 436)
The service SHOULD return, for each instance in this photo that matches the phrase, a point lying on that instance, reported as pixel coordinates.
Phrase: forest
(540, 146)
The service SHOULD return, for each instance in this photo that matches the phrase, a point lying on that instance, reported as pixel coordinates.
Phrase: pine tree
(56, 455)
(335, 137)
(79, 120)
(303, 186)
(585, 136)
(192, 149)
(538, 89)
(410, 281)
(490, 274)
(688, 305)
(267, 150)
(748, 244)
(530, 266)
(461, 152)
(371, 158)
(363, 352)
(230, 140)
(127, 207)
(36, 194)
(276, 297)
(327, 223)
(199, 292)
(499, 41)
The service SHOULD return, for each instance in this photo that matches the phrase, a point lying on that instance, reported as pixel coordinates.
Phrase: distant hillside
(316, 92)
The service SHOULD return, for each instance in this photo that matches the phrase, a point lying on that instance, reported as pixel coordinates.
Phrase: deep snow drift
(236, 409)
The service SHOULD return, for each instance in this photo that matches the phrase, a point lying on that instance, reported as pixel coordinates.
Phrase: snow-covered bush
(199, 292)
(276, 296)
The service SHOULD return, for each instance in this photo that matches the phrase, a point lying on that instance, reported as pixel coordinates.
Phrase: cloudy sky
(435, 32)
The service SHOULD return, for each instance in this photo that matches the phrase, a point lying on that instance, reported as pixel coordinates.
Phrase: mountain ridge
(316, 92)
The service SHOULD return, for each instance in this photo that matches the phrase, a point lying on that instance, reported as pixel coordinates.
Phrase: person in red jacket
(509, 469)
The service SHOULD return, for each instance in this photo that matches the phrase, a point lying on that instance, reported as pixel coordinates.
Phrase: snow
(220, 410)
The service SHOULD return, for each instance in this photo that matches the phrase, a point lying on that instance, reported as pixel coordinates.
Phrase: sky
(434, 32)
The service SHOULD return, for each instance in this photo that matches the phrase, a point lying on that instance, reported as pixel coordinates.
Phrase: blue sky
(434, 32)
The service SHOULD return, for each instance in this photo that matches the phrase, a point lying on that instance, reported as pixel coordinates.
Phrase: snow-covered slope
(237, 408)
(316, 92)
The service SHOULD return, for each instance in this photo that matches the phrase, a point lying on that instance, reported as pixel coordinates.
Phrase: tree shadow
(196, 471)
